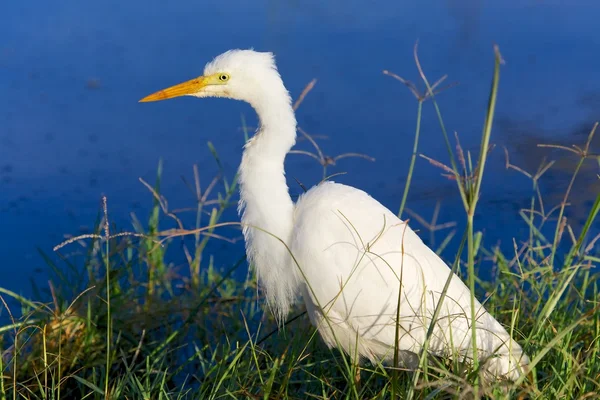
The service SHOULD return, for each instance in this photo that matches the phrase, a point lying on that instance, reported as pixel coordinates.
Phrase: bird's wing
(353, 253)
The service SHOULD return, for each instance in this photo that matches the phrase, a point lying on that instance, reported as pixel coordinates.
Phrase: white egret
(348, 257)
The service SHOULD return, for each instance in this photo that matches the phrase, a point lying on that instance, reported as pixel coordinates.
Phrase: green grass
(121, 322)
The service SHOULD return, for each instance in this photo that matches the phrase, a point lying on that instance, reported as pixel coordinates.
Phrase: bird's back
(353, 252)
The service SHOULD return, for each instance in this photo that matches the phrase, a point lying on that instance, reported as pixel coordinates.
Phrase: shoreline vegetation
(118, 321)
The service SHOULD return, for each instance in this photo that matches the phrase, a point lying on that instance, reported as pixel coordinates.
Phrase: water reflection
(530, 156)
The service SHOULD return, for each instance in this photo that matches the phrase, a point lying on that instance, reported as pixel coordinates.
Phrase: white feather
(353, 257)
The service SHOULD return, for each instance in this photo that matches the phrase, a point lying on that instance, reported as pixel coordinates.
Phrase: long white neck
(266, 206)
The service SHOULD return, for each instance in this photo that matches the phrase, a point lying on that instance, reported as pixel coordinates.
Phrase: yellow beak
(182, 89)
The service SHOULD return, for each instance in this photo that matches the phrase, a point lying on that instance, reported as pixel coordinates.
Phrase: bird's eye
(223, 77)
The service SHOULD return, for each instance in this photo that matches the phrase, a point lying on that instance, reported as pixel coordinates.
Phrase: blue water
(71, 128)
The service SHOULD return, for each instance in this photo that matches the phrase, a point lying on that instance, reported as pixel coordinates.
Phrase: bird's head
(245, 75)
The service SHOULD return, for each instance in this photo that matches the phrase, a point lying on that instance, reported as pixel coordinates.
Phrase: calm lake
(72, 130)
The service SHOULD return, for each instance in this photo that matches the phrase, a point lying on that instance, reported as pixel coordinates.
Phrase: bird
(362, 272)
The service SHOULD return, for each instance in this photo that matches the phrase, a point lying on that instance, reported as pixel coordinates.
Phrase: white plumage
(352, 257)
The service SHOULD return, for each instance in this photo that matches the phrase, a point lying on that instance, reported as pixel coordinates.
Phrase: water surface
(71, 128)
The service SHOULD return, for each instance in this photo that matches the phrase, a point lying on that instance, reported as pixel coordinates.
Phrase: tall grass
(118, 321)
